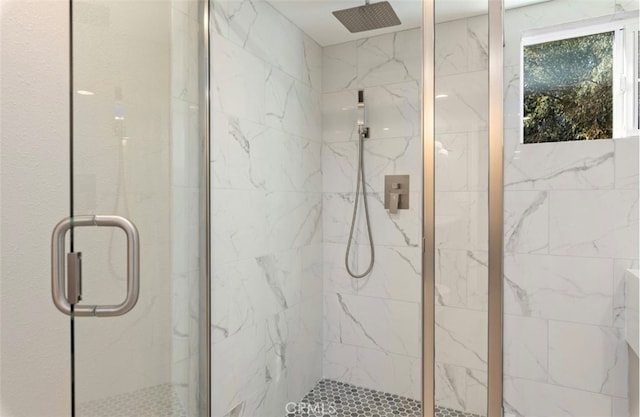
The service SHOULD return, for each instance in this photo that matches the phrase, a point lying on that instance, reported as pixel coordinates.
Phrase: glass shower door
(135, 149)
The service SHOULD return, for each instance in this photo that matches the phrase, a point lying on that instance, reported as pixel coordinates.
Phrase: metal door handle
(58, 265)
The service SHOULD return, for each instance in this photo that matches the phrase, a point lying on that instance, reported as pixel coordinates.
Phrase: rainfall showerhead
(368, 17)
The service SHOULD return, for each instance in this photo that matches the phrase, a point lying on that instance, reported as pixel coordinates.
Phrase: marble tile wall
(461, 214)
(266, 144)
(571, 230)
(372, 325)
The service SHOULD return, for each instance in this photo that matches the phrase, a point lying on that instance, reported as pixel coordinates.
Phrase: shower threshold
(331, 398)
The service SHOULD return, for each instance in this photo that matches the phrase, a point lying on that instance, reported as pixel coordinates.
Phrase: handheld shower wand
(363, 133)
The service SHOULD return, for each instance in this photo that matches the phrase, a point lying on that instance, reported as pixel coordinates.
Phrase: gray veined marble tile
(522, 398)
(526, 221)
(561, 165)
(573, 345)
(559, 287)
(389, 58)
(461, 337)
(339, 65)
(526, 348)
(386, 325)
(601, 223)
(237, 81)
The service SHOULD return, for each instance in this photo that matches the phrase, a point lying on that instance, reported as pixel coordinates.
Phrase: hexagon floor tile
(331, 398)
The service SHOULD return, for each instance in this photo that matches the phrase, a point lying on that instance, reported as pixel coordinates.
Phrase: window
(575, 83)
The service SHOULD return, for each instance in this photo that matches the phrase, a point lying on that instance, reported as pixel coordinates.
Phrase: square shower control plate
(396, 184)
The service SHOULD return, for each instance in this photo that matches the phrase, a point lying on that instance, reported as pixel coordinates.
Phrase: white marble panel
(451, 278)
(395, 274)
(251, 26)
(620, 267)
(282, 272)
(478, 43)
(478, 157)
(291, 105)
(465, 107)
(601, 223)
(312, 271)
(292, 220)
(626, 163)
(461, 220)
(526, 347)
(387, 372)
(523, 397)
(339, 361)
(452, 45)
(392, 157)
(238, 229)
(237, 81)
(335, 275)
(559, 287)
(477, 280)
(339, 116)
(339, 166)
(461, 337)
(311, 178)
(389, 58)
(476, 382)
(452, 162)
(450, 386)
(526, 221)
(238, 369)
(336, 216)
(513, 107)
(386, 325)
(400, 229)
(237, 298)
(571, 346)
(313, 57)
(393, 110)
(561, 165)
(339, 67)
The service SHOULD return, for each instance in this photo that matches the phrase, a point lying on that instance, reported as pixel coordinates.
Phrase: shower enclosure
(228, 138)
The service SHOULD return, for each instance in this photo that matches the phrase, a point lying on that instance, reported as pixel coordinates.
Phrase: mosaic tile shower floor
(157, 401)
(337, 399)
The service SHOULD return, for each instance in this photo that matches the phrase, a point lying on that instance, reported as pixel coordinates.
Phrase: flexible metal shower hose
(361, 182)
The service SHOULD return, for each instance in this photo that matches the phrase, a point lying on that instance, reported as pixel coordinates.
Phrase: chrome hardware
(63, 302)
(396, 193)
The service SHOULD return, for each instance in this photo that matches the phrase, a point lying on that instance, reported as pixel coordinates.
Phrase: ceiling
(314, 16)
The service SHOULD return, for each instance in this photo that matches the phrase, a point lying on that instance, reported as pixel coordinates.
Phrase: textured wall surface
(266, 210)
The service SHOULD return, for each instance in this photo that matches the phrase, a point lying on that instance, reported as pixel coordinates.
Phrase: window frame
(625, 68)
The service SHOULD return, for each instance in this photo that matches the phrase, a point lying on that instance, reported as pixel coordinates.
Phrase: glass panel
(293, 333)
(571, 232)
(136, 153)
(461, 207)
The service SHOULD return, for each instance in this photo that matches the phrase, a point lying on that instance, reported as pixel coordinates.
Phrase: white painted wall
(34, 336)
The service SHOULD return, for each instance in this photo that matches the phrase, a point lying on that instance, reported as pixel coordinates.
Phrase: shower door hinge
(74, 277)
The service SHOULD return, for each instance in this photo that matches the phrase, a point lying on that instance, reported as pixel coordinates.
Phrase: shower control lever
(396, 193)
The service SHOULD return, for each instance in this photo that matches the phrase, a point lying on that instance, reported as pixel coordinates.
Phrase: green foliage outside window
(568, 89)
